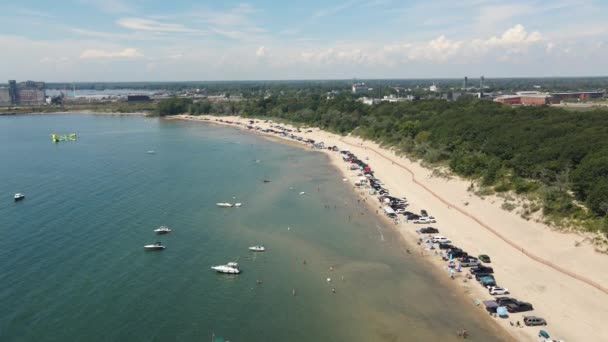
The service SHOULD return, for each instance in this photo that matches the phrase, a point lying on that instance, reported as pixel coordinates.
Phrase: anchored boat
(162, 230)
(158, 246)
(229, 268)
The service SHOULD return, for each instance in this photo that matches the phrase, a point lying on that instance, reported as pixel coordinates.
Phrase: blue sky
(137, 40)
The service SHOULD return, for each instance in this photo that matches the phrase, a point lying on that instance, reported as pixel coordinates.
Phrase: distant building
(5, 97)
(359, 88)
(527, 99)
(434, 88)
(581, 95)
(138, 98)
(28, 93)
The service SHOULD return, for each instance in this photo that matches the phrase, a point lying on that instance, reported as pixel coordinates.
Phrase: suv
(497, 290)
(533, 320)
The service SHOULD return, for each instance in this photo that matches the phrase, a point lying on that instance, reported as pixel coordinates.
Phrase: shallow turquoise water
(73, 268)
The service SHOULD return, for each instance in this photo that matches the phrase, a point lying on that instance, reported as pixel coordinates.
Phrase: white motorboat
(162, 230)
(257, 248)
(151, 152)
(238, 204)
(229, 268)
(155, 246)
(225, 205)
(19, 196)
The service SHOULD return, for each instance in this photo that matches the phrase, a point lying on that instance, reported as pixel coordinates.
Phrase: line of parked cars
(482, 272)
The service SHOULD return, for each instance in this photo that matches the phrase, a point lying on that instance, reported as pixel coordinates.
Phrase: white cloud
(514, 40)
(95, 54)
(437, 50)
(141, 24)
(261, 51)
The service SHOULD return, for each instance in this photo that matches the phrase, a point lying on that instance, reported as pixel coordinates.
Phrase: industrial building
(527, 99)
(28, 93)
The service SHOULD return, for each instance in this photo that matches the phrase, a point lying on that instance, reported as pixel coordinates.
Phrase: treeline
(251, 88)
(560, 155)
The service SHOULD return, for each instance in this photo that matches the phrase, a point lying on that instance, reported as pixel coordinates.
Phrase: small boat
(162, 230)
(257, 248)
(158, 246)
(225, 205)
(229, 268)
(238, 204)
(302, 193)
(19, 196)
(266, 180)
(151, 152)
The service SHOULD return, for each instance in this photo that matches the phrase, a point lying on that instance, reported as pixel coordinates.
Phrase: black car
(429, 230)
(482, 269)
(423, 213)
(412, 216)
(506, 300)
(446, 246)
(458, 253)
(519, 307)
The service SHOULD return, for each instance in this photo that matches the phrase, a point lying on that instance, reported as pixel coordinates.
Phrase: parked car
(519, 307)
(469, 262)
(484, 258)
(487, 280)
(457, 253)
(497, 290)
(533, 321)
(505, 300)
(423, 213)
(424, 220)
(440, 239)
(482, 269)
(445, 246)
(429, 230)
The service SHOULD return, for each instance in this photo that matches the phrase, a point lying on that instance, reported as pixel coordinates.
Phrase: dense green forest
(559, 156)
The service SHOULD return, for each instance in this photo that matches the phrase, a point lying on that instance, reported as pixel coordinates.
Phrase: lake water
(73, 268)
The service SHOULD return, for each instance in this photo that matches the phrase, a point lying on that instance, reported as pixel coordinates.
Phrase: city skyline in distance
(133, 40)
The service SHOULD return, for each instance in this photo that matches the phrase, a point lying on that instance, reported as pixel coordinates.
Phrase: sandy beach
(566, 281)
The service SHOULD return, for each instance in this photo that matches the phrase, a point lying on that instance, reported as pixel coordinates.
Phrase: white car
(424, 220)
(497, 290)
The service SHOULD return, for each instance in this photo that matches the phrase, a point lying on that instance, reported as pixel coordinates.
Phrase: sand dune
(568, 285)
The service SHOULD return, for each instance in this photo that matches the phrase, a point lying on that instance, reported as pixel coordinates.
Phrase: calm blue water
(72, 266)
